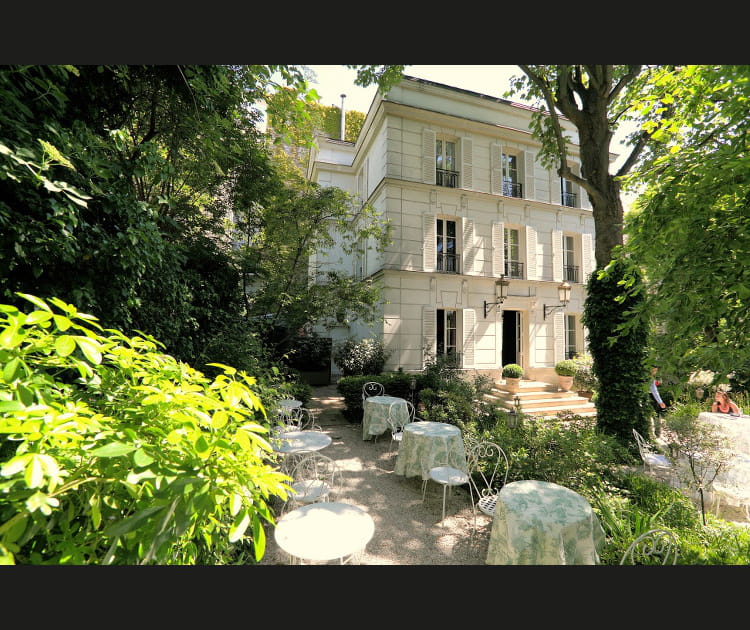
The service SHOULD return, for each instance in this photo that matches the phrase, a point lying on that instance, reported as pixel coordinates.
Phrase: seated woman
(723, 404)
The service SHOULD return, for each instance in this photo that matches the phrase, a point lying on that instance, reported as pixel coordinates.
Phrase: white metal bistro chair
(315, 478)
(657, 462)
(485, 459)
(656, 546)
(447, 476)
(372, 388)
(396, 425)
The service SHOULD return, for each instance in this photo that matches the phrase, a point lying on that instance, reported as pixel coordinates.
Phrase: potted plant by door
(565, 370)
(512, 373)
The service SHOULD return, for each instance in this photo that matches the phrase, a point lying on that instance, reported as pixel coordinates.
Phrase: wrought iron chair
(656, 546)
(447, 476)
(372, 388)
(657, 462)
(314, 478)
(484, 460)
(396, 425)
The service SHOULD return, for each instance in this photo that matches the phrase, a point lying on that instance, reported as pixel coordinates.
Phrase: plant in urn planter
(512, 373)
(565, 371)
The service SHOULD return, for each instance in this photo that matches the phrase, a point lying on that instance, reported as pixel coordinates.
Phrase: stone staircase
(540, 399)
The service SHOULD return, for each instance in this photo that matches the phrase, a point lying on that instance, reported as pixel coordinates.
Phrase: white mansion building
(457, 175)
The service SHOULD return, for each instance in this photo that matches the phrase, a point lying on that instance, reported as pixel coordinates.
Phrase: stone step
(537, 398)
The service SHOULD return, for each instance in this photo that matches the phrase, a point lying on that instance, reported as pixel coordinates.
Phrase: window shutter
(429, 330)
(470, 318)
(588, 261)
(429, 246)
(559, 328)
(557, 256)
(529, 192)
(470, 247)
(531, 273)
(496, 169)
(428, 156)
(467, 163)
(498, 253)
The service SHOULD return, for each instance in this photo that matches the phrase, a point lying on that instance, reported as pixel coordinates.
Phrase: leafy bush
(115, 453)
(565, 367)
(354, 357)
(584, 378)
(512, 370)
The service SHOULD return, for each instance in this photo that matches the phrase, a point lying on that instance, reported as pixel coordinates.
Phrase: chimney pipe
(343, 118)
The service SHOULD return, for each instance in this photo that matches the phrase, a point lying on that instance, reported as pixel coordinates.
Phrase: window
(512, 245)
(445, 163)
(447, 258)
(511, 185)
(570, 269)
(567, 196)
(447, 334)
(570, 336)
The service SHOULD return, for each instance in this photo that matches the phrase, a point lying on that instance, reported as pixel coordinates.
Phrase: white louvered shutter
(429, 330)
(428, 156)
(557, 256)
(531, 272)
(470, 247)
(429, 246)
(529, 192)
(496, 169)
(559, 328)
(498, 249)
(588, 260)
(470, 319)
(467, 163)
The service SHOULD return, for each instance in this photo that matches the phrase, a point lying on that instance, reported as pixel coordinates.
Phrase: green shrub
(512, 370)
(115, 453)
(584, 378)
(395, 383)
(356, 358)
(566, 367)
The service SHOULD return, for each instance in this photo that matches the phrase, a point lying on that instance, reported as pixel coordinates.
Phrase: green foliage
(618, 360)
(512, 370)
(114, 453)
(357, 357)
(584, 378)
(566, 367)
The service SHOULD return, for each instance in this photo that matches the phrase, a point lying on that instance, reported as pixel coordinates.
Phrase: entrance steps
(540, 399)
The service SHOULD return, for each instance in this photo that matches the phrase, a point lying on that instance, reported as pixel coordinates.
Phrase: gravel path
(407, 531)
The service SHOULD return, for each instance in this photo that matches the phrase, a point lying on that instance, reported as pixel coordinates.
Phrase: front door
(511, 337)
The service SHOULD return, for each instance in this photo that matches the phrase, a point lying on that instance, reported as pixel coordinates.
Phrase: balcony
(449, 263)
(514, 269)
(446, 178)
(569, 199)
(512, 189)
(570, 273)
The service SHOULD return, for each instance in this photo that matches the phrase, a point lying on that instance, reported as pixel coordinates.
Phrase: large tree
(690, 230)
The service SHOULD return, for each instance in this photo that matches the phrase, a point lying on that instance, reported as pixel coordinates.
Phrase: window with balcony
(571, 344)
(447, 247)
(511, 185)
(446, 165)
(447, 335)
(570, 269)
(512, 253)
(568, 196)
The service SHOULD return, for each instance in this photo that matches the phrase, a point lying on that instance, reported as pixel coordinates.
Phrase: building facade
(456, 173)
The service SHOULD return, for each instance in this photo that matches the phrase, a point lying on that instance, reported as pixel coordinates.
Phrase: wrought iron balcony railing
(514, 269)
(569, 199)
(511, 189)
(570, 273)
(446, 178)
(449, 263)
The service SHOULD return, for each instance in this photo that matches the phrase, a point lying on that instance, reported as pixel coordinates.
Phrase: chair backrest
(372, 388)
(306, 421)
(656, 546)
(643, 447)
(315, 467)
(488, 467)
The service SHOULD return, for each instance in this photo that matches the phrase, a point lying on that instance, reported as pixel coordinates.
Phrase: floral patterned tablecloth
(429, 444)
(537, 522)
(376, 410)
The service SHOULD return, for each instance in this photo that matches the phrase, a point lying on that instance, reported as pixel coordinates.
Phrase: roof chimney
(343, 118)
